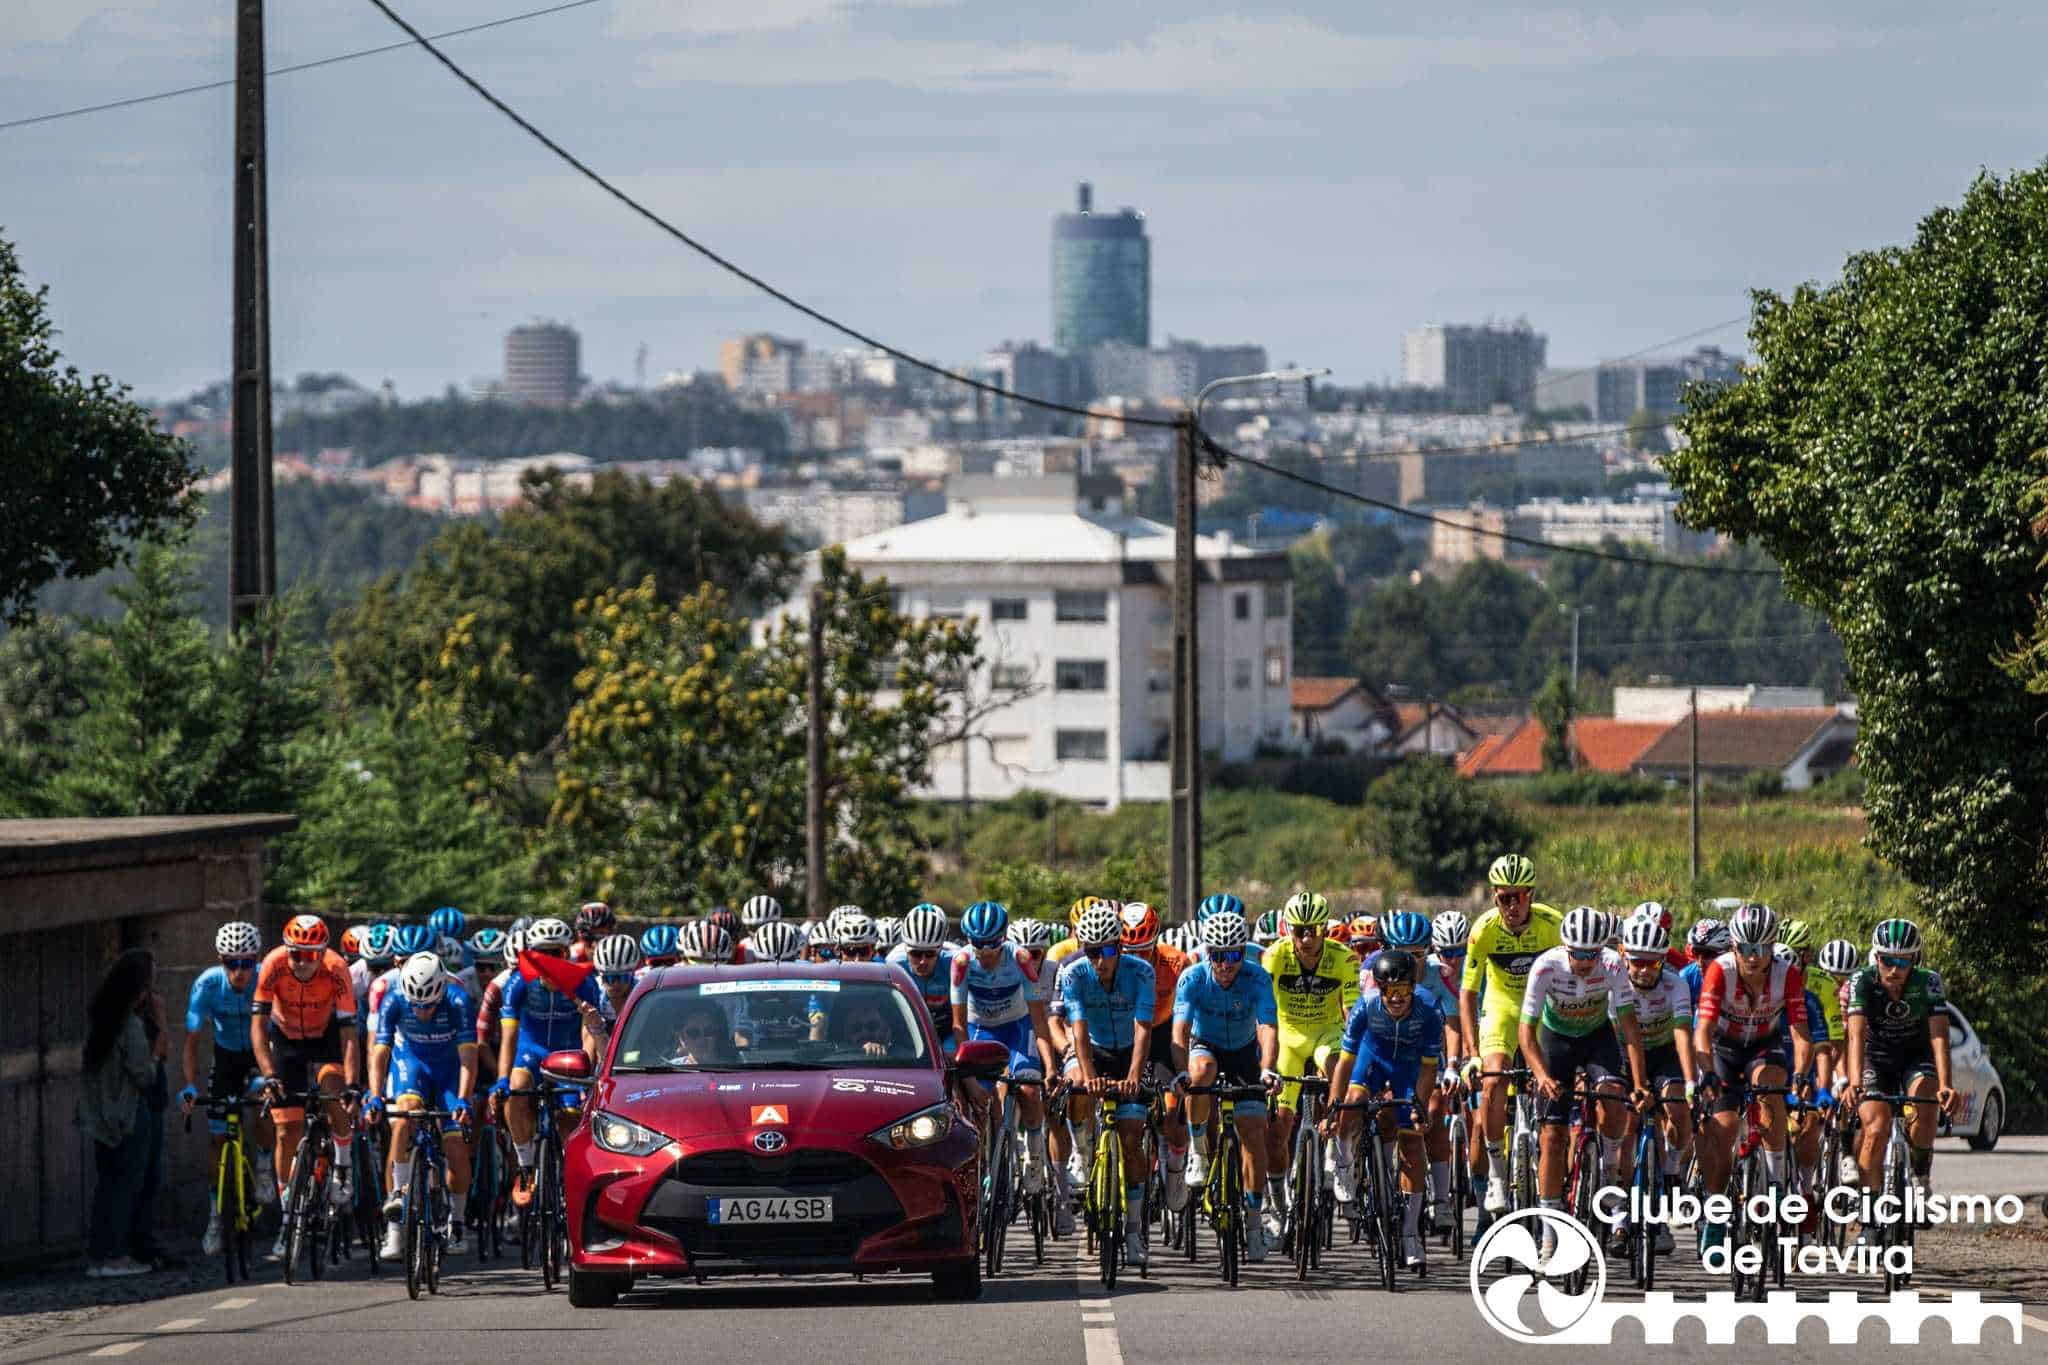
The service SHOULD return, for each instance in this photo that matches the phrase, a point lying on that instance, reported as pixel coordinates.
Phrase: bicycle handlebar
(1233, 1093)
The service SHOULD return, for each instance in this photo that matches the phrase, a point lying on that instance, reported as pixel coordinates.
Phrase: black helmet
(1393, 968)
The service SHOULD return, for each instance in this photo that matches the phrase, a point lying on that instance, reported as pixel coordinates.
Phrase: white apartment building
(1075, 598)
(1643, 521)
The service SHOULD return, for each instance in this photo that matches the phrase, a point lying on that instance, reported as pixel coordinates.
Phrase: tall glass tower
(1101, 278)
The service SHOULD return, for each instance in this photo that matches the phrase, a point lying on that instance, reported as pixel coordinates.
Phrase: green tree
(83, 470)
(1880, 450)
(1646, 432)
(1439, 828)
(47, 672)
(1320, 609)
(1555, 706)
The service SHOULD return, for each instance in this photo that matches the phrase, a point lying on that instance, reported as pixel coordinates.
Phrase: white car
(1982, 1117)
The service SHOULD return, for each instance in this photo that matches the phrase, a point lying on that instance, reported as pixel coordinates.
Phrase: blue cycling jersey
(1111, 1012)
(936, 987)
(1816, 1024)
(430, 1035)
(1438, 989)
(1695, 974)
(1371, 1031)
(548, 1020)
(996, 995)
(214, 1000)
(1223, 1017)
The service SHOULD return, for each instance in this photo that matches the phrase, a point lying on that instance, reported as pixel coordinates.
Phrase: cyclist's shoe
(394, 1241)
(1344, 1181)
(266, 1181)
(1030, 1172)
(1198, 1167)
(1175, 1170)
(277, 1252)
(1712, 1234)
(1496, 1197)
(1549, 1245)
(522, 1187)
(1847, 1171)
(1272, 1221)
(1062, 1218)
(395, 1205)
(1077, 1168)
(1440, 1216)
(1411, 1251)
(1256, 1243)
(210, 1243)
(1134, 1244)
(1663, 1243)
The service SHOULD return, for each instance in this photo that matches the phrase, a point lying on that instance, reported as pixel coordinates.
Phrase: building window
(1241, 674)
(1010, 677)
(1088, 745)
(1276, 668)
(1241, 605)
(1276, 601)
(1081, 675)
(1159, 680)
(1008, 609)
(1080, 606)
(948, 606)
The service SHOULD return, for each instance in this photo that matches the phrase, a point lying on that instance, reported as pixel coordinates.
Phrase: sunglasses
(1226, 956)
(987, 945)
(1095, 950)
(1896, 963)
(1584, 954)
(1307, 931)
(1751, 949)
(1450, 954)
(618, 978)
(308, 954)
(857, 954)
(1505, 895)
(239, 964)
(922, 954)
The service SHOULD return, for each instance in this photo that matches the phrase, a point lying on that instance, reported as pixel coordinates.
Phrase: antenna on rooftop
(640, 367)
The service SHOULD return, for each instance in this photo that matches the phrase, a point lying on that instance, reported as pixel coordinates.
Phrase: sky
(1317, 177)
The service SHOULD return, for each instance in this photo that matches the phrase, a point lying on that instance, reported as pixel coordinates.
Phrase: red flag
(563, 975)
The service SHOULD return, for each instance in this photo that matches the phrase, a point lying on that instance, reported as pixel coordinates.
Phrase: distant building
(1616, 390)
(1453, 478)
(1591, 521)
(1600, 744)
(759, 363)
(1029, 369)
(1101, 278)
(1461, 535)
(1800, 745)
(1667, 704)
(824, 513)
(1476, 366)
(543, 364)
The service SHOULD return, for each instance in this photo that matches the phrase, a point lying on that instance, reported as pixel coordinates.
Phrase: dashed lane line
(234, 1303)
(1098, 1315)
(117, 1348)
(179, 1324)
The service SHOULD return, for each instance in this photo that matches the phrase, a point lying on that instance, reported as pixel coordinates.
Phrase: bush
(1761, 786)
(1590, 789)
(1440, 829)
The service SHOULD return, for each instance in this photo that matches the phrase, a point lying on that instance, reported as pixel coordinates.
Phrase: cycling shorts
(1736, 1062)
(1235, 1066)
(1500, 1030)
(1371, 1075)
(303, 1063)
(232, 1072)
(1110, 1064)
(1566, 1055)
(437, 1084)
(1017, 1036)
(1890, 1070)
(1300, 1055)
(1661, 1067)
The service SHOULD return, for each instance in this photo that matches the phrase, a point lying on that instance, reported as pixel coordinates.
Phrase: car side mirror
(570, 1066)
(982, 1059)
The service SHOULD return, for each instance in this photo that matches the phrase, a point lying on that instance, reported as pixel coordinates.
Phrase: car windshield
(757, 1024)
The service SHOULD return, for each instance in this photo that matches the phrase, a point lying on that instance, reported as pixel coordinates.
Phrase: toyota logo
(1512, 1239)
(770, 1141)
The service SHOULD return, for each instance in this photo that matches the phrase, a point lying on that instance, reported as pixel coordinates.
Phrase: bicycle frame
(428, 1187)
(234, 1183)
(1223, 1191)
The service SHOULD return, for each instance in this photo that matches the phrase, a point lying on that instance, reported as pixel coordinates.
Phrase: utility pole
(252, 549)
(814, 759)
(1695, 785)
(1186, 873)
(1576, 612)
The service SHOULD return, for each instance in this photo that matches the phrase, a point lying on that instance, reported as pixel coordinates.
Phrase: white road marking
(180, 1324)
(119, 1348)
(2035, 1323)
(1098, 1319)
(234, 1303)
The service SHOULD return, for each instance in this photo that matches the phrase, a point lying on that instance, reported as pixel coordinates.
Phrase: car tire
(1986, 1136)
(958, 1283)
(587, 1290)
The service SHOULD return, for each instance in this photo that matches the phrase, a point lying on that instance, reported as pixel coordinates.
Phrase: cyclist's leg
(1561, 1060)
(1297, 1054)
(1497, 1052)
(1173, 1121)
(1874, 1118)
(1724, 1120)
(1602, 1064)
(1767, 1069)
(289, 1121)
(1920, 1125)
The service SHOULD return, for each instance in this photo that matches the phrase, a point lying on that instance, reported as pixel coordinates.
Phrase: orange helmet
(1338, 931)
(1365, 929)
(1141, 925)
(306, 932)
(352, 942)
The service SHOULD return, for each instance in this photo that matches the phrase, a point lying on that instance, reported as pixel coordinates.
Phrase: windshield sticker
(862, 1085)
(752, 987)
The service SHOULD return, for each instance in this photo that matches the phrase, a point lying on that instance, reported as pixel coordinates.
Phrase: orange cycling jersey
(1168, 962)
(303, 1009)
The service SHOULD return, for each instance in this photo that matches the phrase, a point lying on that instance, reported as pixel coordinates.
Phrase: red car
(776, 1118)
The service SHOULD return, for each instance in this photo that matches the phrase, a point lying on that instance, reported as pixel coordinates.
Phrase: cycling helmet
(1392, 967)
(377, 944)
(1583, 928)
(985, 922)
(413, 939)
(521, 922)
(1181, 936)
(486, 943)
(888, 933)
(1611, 935)
(1511, 869)
(1338, 931)
(1267, 929)
(450, 951)
(659, 941)
(305, 932)
(1101, 925)
(925, 927)
(1644, 935)
(515, 944)
(1839, 957)
(855, 929)
(548, 933)
(1654, 910)
(1365, 928)
(1752, 925)
(594, 919)
(1305, 907)
(1036, 933)
(1082, 907)
(1900, 937)
(1796, 934)
(1222, 903)
(447, 922)
(423, 980)
(728, 921)
(1141, 924)
(760, 910)
(1404, 929)
(237, 939)
(1708, 938)
(1224, 931)
(1450, 930)
(616, 953)
(702, 941)
(352, 942)
(777, 941)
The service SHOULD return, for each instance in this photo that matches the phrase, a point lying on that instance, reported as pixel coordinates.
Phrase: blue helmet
(661, 940)
(1222, 903)
(416, 938)
(985, 922)
(487, 943)
(378, 944)
(1404, 929)
(447, 922)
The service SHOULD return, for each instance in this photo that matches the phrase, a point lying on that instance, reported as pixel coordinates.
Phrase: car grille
(862, 1205)
(735, 1171)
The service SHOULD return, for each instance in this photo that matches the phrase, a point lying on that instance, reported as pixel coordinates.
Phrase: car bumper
(646, 1216)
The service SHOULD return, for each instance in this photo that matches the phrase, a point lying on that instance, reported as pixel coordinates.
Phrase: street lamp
(1575, 613)
(1286, 376)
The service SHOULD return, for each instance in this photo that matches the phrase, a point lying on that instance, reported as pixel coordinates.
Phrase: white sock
(1774, 1165)
(1610, 1158)
(524, 1151)
(1134, 1206)
(344, 1147)
(1345, 1156)
(1411, 1215)
(1673, 1161)
(1496, 1163)
(401, 1175)
(1440, 1180)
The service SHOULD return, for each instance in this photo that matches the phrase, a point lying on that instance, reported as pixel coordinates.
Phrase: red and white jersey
(1746, 1016)
(489, 1006)
(379, 987)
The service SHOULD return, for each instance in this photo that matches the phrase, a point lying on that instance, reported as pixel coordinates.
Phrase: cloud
(699, 18)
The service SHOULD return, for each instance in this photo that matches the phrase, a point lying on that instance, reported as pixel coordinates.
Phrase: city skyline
(1655, 167)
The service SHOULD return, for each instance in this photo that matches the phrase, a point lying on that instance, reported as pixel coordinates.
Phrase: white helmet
(1584, 928)
(1223, 932)
(1839, 957)
(617, 953)
(1450, 930)
(704, 942)
(548, 933)
(853, 928)
(888, 932)
(515, 943)
(1645, 934)
(1026, 932)
(451, 953)
(1753, 924)
(760, 910)
(237, 939)
(423, 980)
(778, 941)
(925, 927)
(1099, 924)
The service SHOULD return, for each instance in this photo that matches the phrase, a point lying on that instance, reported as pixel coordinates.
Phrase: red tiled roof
(1319, 694)
(1517, 754)
(1742, 740)
(1604, 745)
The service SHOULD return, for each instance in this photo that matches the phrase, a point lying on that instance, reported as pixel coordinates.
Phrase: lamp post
(1575, 613)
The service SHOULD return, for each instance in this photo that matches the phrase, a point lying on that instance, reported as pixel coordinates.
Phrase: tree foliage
(1879, 450)
(1556, 707)
(1440, 829)
(83, 470)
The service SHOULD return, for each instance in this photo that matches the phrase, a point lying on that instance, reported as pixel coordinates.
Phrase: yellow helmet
(1082, 907)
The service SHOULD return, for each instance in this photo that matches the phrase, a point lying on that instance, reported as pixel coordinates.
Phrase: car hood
(849, 1102)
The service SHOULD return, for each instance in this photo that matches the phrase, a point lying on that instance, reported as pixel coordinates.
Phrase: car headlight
(626, 1137)
(921, 1129)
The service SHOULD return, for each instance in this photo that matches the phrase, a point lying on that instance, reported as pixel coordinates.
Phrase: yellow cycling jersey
(1502, 959)
(1829, 991)
(1061, 951)
(1310, 1001)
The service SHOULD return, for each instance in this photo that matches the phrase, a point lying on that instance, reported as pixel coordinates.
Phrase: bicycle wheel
(996, 1226)
(1586, 1181)
(437, 1215)
(1461, 1184)
(1107, 1188)
(1303, 1202)
(297, 1210)
(1899, 1231)
(1230, 1206)
(552, 1229)
(413, 1242)
(1648, 1186)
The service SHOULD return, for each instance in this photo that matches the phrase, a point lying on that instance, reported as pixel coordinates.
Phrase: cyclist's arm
(1852, 1075)
(1425, 1081)
(1269, 1045)
(1083, 1054)
(351, 1053)
(380, 1066)
(259, 1041)
(1632, 1035)
(508, 1046)
(1340, 1084)
(465, 1086)
(1468, 1012)
(190, 1057)
(1937, 1037)
(1141, 1047)
(1532, 1052)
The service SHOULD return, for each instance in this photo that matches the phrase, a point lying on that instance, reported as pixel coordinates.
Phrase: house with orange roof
(1599, 743)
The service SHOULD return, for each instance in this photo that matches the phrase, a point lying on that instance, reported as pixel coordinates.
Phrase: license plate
(732, 1209)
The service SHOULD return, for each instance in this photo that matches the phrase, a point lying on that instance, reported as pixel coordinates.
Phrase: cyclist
(1743, 995)
(1313, 990)
(1393, 1044)
(1664, 1015)
(454, 955)
(1267, 931)
(777, 941)
(1706, 941)
(1142, 938)
(426, 1048)
(757, 912)
(1226, 1025)
(1365, 938)
(855, 934)
(618, 969)
(1675, 957)
(1898, 1045)
(1442, 970)
(1795, 942)
(660, 946)
(491, 1003)
(923, 957)
(409, 941)
(448, 922)
(538, 1019)
(220, 1003)
(1503, 946)
(888, 933)
(1407, 931)
(486, 951)
(594, 919)
(996, 996)
(727, 923)
(1108, 1000)
(705, 944)
(379, 943)
(1070, 945)
(302, 1028)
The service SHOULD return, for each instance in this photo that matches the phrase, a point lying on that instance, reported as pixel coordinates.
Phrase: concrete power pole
(1694, 783)
(1186, 872)
(252, 553)
(814, 760)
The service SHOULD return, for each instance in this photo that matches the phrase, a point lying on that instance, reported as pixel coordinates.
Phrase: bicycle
(1582, 1175)
(1103, 1201)
(1894, 1180)
(307, 1217)
(999, 1194)
(1519, 1142)
(1376, 1212)
(490, 1191)
(1837, 1147)
(1311, 1205)
(234, 1185)
(1745, 1179)
(544, 1222)
(1648, 1192)
(426, 1203)
(1223, 1191)
(366, 1203)
(1461, 1178)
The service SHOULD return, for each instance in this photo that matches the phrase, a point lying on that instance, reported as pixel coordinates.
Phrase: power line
(286, 70)
(1354, 456)
(1563, 375)
(739, 272)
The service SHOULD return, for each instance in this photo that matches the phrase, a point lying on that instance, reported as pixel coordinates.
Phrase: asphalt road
(1179, 1313)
